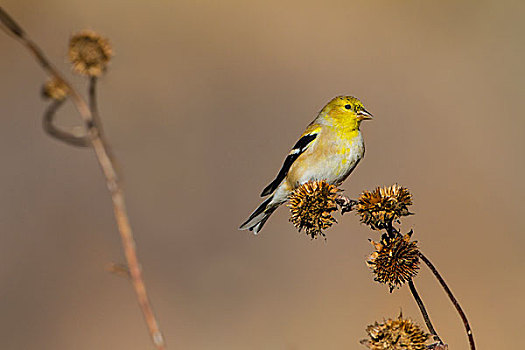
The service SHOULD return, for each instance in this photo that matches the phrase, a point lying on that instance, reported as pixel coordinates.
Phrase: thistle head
(382, 206)
(55, 89)
(398, 334)
(89, 53)
(395, 261)
(311, 204)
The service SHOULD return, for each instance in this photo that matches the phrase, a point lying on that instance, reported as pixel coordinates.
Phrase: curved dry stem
(423, 310)
(101, 149)
(55, 132)
(93, 106)
(452, 299)
(97, 121)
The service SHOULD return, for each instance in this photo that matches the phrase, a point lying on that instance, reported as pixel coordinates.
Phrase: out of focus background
(201, 103)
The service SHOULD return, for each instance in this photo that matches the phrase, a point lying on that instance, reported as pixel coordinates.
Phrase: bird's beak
(364, 115)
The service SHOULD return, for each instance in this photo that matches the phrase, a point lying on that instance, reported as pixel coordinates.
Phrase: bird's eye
(348, 106)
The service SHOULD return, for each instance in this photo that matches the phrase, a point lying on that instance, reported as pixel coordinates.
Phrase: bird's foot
(345, 203)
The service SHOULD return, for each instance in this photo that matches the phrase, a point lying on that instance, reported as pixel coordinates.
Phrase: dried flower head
(89, 53)
(395, 260)
(311, 205)
(399, 334)
(382, 206)
(55, 89)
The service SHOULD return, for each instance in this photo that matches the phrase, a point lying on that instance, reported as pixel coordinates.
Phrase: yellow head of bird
(347, 107)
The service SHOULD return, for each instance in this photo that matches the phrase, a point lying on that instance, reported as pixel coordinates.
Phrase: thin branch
(423, 310)
(97, 121)
(93, 105)
(61, 135)
(12, 27)
(102, 152)
(452, 299)
(121, 270)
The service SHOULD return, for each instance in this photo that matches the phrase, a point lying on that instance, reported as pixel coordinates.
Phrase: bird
(329, 149)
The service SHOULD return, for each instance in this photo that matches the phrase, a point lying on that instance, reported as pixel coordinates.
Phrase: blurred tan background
(202, 102)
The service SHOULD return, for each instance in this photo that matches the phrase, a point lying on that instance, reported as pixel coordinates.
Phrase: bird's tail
(259, 217)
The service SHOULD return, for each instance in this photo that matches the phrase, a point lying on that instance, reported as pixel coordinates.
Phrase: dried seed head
(55, 89)
(89, 53)
(395, 260)
(311, 204)
(400, 334)
(382, 206)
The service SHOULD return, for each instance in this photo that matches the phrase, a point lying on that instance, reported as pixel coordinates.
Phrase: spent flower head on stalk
(92, 63)
(399, 334)
(311, 205)
(89, 53)
(395, 261)
(55, 89)
(382, 206)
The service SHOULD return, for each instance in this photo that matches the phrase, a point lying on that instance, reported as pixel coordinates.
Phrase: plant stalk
(452, 299)
(423, 310)
(102, 152)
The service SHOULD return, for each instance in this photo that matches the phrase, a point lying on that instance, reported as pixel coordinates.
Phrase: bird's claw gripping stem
(345, 203)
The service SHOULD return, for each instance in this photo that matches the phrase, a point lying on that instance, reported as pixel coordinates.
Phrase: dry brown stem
(453, 299)
(102, 151)
(53, 131)
(423, 310)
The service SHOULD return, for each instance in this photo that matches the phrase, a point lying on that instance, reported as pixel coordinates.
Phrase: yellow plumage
(329, 149)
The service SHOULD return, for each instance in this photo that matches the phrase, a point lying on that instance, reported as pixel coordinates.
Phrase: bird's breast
(332, 158)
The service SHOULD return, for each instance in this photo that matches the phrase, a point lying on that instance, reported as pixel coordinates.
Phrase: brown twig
(121, 270)
(452, 299)
(93, 105)
(102, 152)
(423, 310)
(53, 131)
(392, 232)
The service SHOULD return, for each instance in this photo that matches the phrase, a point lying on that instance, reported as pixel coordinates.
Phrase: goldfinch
(329, 149)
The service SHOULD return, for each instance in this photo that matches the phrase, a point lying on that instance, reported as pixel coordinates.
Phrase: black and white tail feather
(259, 217)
